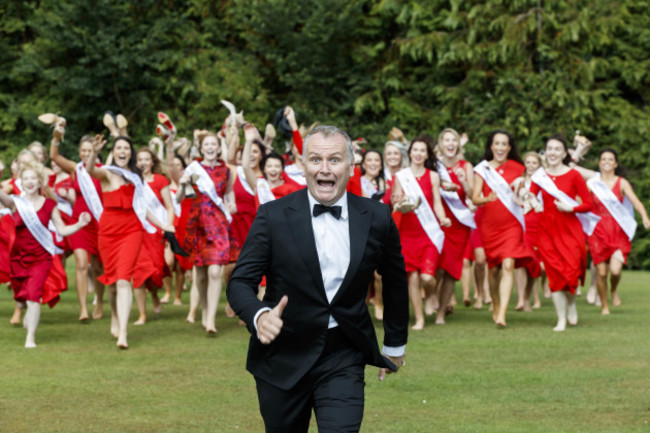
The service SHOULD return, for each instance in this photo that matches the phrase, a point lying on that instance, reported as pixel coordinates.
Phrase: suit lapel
(359, 226)
(299, 219)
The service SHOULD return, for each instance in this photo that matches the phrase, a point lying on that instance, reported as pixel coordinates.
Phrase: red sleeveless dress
(419, 252)
(608, 236)
(120, 237)
(457, 235)
(502, 235)
(86, 238)
(246, 210)
(66, 184)
(36, 275)
(561, 241)
(209, 239)
(151, 262)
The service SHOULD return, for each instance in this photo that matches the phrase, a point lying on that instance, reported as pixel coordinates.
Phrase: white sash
(89, 192)
(35, 226)
(264, 193)
(154, 205)
(63, 205)
(499, 185)
(424, 213)
(175, 203)
(207, 187)
(242, 179)
(617, 209)
(139, 201)
(367, 186)
(455, 204)
(295, 174)
(588, 220)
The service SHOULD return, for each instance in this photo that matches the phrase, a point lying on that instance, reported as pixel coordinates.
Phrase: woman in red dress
(64, 189)
(83, 243)
(30, 261)
(458, 186)
(209, 239)
(151, 267)
(502, 233)
(120, 229)
(560, 241)
(421, 256)
(178, 264)
(609, 244)
(527, 276)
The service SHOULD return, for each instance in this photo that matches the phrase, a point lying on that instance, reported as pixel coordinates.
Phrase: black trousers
(333, 388)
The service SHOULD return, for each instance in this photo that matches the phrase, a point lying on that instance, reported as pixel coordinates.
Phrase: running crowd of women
(146, 220)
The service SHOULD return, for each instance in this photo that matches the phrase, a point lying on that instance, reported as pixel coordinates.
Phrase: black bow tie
(334, 210)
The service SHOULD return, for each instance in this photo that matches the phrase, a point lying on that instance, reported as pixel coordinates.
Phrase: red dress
(608, 236)
(120, 237)
(66, 184)
(457, 235)
(180, 225)
(151, 262)
(36, 275)
(502, 235)
(419, 252)
(7, 235)
(86, 238)
(532, 220)
(209, 239)
(561, 242)
(246, 210)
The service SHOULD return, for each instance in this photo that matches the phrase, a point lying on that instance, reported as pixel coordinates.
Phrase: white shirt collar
(343, 202)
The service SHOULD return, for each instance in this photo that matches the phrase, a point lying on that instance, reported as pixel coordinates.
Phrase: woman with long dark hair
(416, 195)
(502, 224)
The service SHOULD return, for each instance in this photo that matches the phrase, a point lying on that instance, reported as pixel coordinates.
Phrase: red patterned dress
(208, 238)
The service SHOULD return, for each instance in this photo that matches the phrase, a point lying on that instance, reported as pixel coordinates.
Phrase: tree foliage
(534, 67)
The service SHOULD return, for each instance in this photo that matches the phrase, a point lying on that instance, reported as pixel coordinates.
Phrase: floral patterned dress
(209, 238)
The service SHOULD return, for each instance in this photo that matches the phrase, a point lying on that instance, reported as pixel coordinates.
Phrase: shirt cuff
(394, 352)
(257, 315)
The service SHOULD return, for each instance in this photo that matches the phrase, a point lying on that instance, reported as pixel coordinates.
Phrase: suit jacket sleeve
(251, 266)
(395, 288)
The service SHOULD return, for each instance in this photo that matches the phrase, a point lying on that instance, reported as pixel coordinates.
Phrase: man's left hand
(398, 361)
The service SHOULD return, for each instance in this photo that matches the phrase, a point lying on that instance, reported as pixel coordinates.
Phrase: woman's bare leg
(430, 286)
(215, 283)
(97, 269)
(601, 285)
(81, 278)
(112, 300)
(124, 301)
(521, 276)
(505, 289)
(446, 289)
(493, 284)
(141, 301)
(194, 298)
(615, 267)
(416, 300)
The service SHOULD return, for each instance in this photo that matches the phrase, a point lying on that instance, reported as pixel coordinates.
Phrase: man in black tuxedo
(312, 335)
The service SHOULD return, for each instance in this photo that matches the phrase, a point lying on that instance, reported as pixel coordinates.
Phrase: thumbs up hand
(269, 323)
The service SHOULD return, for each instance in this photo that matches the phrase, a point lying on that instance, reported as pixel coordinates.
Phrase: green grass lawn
(465, 376)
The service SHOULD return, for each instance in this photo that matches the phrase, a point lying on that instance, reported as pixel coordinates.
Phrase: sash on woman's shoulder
(455, 204)
(89, 192)
(35, 226)
(242, 179)
(206, 186)
(588, 220)
(503, 191)
(618, 210)
(425, 215)
(153, 204)
(139, 200)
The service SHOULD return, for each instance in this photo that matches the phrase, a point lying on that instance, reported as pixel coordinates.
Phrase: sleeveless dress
(36, 275)
(502, 235)
(608, 236)
(120, 237)
(66, 183)
(151, 262)
(86, 238)
(419, 252)
(561, 241)
(457, 235)
(246, 210)
(209, 239)
(532, 219)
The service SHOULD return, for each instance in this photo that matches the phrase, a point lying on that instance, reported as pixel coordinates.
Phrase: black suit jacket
(281, 246)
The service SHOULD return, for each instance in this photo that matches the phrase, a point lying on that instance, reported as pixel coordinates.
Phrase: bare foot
(591, 295)
(560, 327)
(430, 305)
(30, 344)
(165, 299)
(605, 312)
(115, 327)
(211, 330)
(241, 323)
(537, 304)
(121, 343)
(440, 319)
(141, 321)
(178, 302)
(519, 307)
(419, 326)
(83, 318)
(98, 312)
(229, 311)
(501, 325)
(478, 305)
(616, 300)
(15, 319)
(189, 319)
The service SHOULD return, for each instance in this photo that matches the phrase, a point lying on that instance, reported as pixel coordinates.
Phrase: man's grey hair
(329, 131)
